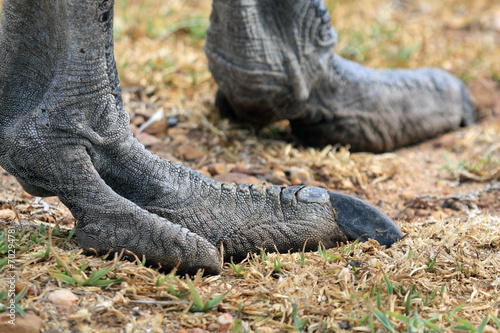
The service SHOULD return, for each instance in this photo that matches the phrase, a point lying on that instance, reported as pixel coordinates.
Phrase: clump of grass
(238, 269)
(19, 296)
(77, 278)
(278, 265)
(263, 257)
(473, 169)
(237, 320)
(326, 254)
(302, 258)
(300, 324)
(198, 304)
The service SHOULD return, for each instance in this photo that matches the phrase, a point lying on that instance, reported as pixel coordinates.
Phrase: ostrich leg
(274, 60)
(61, 119)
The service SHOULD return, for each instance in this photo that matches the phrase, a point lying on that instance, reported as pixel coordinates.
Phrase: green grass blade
(379, 299)
(371, 323)
(4, 261)
(432, 262)
(95, 276)
(214, 301)
(399, 317)
(299, 324)
(407, 304)
(174, 292)
(410, 254)
(458, 308)
(263, 258)
(237, 320)
(71, 233)
(160, 280)
(19, 310)
(198, 303)
(390, 287)
(302, 258)
(384, 320)
(3, 294)
(466, 324)
(296, 319)
(432, 326)
(483, 324)
(105, 283)
(64, 278)
(45, 254)
(496, 320)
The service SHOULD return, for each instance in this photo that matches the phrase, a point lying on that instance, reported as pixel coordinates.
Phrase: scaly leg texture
(274, 60)
(61, 115)
(63, 131)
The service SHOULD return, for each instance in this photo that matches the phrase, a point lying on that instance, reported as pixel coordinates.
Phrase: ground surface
(445, 194)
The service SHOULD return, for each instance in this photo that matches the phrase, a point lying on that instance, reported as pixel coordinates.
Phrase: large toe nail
(358, 219)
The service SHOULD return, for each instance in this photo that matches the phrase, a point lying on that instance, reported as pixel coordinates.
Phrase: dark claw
(358, 219)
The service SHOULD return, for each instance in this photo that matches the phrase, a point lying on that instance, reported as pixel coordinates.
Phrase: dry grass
(444, 275)
(432, 277)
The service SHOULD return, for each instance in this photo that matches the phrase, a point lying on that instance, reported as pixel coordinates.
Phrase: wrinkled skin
(274, 60)
(64, 132)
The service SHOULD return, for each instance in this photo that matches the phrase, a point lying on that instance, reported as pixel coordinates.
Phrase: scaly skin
(274, 60)
(63, 131)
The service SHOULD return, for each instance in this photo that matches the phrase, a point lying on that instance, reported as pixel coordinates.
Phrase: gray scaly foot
(274, 60)
(63, 131)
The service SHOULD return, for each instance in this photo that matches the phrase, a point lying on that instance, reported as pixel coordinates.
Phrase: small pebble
(204, 171)
(354, 263)
(190, 153)
(81, 315)
(172, 121)
(217, 169)
(7, 214)
(297, 181)
(344, 326)
(299, 173)
(279, 178)
(31, 323)
(439, 215)
(63, 299)
(176, 131)
(407, 195)
(20, 287)
(159, 127)
(226, 321)
(266, 330)
(422, 212)
(196, 330)
(147, 139)
(213, 327)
